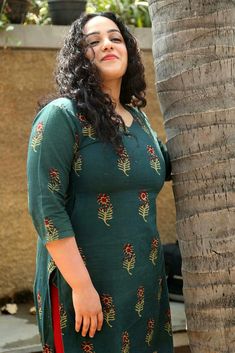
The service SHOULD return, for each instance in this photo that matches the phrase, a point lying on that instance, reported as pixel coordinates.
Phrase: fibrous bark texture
(194, 58)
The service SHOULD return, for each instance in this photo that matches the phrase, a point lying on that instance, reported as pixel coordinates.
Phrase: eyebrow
(109, 31)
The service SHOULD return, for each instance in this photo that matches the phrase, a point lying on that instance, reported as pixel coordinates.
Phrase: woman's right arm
(50, 158)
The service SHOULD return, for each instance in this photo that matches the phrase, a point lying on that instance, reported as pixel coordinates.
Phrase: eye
(93, 43)
(116, 40)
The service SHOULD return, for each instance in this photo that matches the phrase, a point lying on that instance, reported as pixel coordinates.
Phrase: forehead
(100, 24)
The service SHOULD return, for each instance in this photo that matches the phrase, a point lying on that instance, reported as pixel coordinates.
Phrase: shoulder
(63, 104)
(59, 114)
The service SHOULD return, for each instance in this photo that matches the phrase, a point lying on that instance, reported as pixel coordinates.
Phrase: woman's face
(107, 49)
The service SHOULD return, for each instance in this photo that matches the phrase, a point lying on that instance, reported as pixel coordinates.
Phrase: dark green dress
(79, 186)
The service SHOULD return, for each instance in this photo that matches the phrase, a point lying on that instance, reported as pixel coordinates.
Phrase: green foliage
(38, 13)
(132, 12)
(4, 20)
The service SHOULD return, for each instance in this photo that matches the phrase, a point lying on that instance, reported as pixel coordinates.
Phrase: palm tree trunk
(194, 58)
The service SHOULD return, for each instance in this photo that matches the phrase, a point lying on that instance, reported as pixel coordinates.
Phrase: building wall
(26, 75)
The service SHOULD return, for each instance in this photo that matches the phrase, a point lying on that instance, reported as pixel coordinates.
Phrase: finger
(85, 325)
(100, 319)
(78, 322)
(93, 326)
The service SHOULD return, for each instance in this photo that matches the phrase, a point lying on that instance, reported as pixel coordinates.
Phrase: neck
(113, 89)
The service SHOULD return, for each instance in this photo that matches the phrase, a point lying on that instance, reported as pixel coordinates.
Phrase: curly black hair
(78, 79)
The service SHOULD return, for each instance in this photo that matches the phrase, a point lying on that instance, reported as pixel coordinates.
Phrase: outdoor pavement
(19, 333)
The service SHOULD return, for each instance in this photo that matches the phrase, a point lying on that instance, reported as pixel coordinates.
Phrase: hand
(88, 310)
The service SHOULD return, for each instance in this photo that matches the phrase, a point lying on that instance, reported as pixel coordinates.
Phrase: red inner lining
(58, 341)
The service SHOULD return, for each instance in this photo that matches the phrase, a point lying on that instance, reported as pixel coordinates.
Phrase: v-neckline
(130, 110)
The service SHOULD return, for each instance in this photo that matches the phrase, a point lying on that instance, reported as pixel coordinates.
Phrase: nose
(107, 44)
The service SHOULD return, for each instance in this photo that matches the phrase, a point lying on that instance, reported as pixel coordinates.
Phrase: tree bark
(194, 58)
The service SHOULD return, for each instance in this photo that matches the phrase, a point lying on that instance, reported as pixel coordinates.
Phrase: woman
(94, 170)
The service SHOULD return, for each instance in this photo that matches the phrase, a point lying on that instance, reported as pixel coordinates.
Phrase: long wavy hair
(78, 79)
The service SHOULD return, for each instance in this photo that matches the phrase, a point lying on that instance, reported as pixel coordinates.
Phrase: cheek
(90, 54)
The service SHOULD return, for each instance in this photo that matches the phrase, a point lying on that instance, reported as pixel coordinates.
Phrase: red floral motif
(52, 232)
(54, 182)
(167, 326)
(143, 196)
(154, 160)
(150, 331)
(47, 222)
(139, 307)
(54, 173)
(46, 349)
(125, 342)
(106, 300)
(168, 313)
(144, 207)
(151, 323)
(128, 249)
(103, 199)
(37, 138)
(87, 128)
(87, 347)
(108, 308)
(123, 160)
(125, 337)
(140, 292)
(151, 151)
(39, 301)
(129, 257)
(154, 251)
(105, 212)
(82, 118)
(39, 127)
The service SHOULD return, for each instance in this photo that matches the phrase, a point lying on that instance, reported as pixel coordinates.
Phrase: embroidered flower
(87, 129)
(143, 196)
(144, 207)
(153, 159)
(154, 251)
(139, 307)
(108, 308)
(87, 347)
(54, 180)
(123, 160)
(167, 325)
(129, 257)
(105, 212)
(125, 342)
(46, 349)
(150, 331)
(52, 232)
(38, 136)
(39, 301)
(77, 159)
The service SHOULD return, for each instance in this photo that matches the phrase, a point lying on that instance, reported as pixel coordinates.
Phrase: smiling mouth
(109, 57)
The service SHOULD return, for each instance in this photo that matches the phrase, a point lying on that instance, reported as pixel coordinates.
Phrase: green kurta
(79, 186)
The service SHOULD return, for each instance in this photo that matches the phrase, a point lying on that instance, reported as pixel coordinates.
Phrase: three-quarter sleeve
(50, 156)
(166, 158)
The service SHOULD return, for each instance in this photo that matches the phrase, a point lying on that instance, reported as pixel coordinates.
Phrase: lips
(109, 57)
